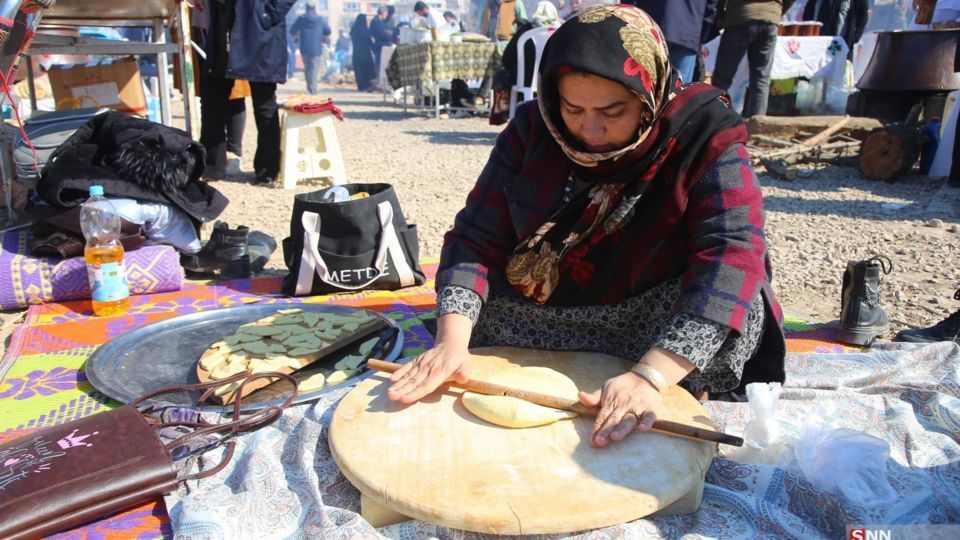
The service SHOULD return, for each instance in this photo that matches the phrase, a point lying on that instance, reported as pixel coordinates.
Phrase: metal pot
(913, 60)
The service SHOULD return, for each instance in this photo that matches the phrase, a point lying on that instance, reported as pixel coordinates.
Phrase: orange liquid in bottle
(100, 255)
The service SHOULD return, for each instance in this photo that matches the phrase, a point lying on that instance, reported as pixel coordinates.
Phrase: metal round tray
(165, 353)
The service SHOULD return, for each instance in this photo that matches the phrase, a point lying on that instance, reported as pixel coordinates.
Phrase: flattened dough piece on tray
(512, 412)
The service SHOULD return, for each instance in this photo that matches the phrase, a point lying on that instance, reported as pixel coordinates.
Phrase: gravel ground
(814, 224)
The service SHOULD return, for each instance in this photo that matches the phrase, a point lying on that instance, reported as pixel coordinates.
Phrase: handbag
(338, 245)
(61, 477)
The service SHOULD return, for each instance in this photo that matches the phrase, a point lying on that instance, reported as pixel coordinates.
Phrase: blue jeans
(311, 70)
(684, 60)
(759, 41)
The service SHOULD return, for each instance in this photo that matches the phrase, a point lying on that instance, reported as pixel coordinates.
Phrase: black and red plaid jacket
(716, 244)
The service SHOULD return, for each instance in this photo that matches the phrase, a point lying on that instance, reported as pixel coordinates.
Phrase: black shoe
(262, 180)
(945, 330)
(225, 254)
(862, 319)
(260, 246)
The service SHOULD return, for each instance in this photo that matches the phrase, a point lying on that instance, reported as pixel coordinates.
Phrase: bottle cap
(96, 191)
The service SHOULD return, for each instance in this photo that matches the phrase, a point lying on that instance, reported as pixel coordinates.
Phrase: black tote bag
(362, 243)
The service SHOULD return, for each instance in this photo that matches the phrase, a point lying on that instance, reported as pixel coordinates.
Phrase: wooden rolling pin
(663, 426)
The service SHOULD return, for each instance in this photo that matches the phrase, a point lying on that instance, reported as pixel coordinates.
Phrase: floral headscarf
(620, 43)
(681, 129)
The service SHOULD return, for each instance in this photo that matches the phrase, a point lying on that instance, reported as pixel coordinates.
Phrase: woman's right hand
(444, 362)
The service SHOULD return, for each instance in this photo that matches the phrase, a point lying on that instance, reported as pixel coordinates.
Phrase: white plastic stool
(321, 161)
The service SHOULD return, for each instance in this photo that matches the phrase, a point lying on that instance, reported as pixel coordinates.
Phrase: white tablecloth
(815, 57)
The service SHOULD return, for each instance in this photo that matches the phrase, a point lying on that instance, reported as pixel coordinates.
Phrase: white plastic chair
(539, 37)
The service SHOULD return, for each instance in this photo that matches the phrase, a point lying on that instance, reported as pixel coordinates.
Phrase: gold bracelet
(652, 376)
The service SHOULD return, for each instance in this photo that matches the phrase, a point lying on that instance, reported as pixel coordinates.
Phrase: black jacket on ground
(132, 158)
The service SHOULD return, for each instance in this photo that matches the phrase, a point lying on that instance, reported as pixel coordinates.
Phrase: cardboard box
(116, 85)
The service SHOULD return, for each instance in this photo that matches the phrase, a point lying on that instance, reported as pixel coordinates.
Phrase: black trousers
(236, 122)
(214, 105)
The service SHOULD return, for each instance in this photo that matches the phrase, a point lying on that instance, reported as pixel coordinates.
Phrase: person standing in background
(501, 19)
(341, 51)
(431, 20)
(313, 35)
(844, 18)
(364, 68)
(292, 43)
(570, 8)
(392, 24)
(236, 124)
(247, 40)
(832, 13)
(682, 23)
(236, 119)
(452, 24)
(380, 34)
(855, 24)
(750, 27)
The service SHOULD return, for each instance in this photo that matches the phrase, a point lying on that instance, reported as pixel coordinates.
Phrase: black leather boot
(945, 330)
(260, 246)
(225, 253)
(861, 318)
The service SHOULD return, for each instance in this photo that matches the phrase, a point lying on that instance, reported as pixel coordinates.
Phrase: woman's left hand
(627, 403)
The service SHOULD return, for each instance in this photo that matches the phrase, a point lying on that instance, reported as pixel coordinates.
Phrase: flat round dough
(513, 412)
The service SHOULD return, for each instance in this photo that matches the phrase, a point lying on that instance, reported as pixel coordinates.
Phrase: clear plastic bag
(835, 460)
(764, 429)
(845, 461)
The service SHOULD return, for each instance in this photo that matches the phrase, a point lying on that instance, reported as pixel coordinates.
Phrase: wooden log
(889, 152)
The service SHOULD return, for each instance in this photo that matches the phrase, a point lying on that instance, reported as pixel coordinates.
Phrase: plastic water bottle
(110, 293)
(931, 140)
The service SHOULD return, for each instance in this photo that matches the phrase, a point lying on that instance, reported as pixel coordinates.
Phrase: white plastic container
(414, 35)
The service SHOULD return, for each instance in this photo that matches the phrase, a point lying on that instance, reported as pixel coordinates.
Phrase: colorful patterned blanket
(26, 280)
(42, 381)
(898, 394)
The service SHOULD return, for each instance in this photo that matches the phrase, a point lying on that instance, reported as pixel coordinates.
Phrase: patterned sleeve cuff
(454, 299)
(694, 338)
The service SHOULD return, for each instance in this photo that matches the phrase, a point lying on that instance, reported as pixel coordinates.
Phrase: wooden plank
(787, 127)
(90, 10)
(187, 89)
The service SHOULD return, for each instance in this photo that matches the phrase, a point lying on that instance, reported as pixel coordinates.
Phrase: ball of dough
(513, 412)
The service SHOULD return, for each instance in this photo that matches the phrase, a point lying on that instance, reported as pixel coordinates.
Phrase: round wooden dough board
(436, 462)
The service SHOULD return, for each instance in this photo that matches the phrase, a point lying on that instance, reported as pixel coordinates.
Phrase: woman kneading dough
(618, 213)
